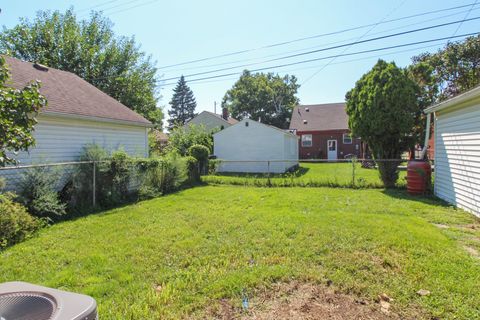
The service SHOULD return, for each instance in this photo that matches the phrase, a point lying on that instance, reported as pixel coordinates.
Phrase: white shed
(250, 146)
(457, 150)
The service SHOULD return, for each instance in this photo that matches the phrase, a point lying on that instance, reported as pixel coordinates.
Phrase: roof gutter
(97, 119)
(461, 98)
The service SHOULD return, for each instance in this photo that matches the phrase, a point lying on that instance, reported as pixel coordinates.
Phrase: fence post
(94, 185)
(268, 173)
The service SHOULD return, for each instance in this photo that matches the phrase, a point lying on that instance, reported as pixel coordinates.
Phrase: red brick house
(323, 131)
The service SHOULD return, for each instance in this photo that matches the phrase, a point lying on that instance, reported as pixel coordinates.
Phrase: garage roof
(68, 94)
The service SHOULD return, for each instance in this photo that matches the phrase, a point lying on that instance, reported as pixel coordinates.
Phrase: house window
(306, 140)
(347, 138)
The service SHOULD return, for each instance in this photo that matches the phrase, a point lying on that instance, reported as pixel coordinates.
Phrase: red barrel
(419, 175)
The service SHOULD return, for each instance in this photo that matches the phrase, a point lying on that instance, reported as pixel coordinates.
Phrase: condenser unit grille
(26, 306)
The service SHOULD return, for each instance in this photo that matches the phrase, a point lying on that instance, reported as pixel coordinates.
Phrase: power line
(314, 36)
(316, 66)
(327, 48)
(346, 48)
(466, 15)
(328, 57)
(133, 7)
(124, 4)
(96, 6)
(316, 46)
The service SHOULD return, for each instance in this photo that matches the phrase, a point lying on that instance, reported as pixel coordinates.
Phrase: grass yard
(309, 175)
(181, 255)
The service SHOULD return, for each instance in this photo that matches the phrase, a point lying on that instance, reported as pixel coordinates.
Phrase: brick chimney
(225, 114)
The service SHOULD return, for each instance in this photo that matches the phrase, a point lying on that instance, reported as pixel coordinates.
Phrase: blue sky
(178, 31)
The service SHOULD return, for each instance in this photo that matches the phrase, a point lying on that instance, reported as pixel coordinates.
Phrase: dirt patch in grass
(303, 301)
(472, 251)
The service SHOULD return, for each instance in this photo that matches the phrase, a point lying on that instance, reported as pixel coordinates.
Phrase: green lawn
(309, 175)
(207, 243)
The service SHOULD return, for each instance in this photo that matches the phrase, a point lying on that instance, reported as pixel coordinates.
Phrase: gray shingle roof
(230, 119)
(69, 94)
(319, 117)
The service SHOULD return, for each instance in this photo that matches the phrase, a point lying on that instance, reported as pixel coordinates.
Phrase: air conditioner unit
(25, 301)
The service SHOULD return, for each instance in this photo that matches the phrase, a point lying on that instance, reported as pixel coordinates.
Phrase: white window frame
(347, 135)
(305, 140)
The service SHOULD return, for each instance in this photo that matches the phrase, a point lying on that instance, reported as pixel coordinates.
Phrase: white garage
(457, 150)
(250, 146)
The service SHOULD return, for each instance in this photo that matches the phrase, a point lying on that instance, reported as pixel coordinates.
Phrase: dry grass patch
(295, 300)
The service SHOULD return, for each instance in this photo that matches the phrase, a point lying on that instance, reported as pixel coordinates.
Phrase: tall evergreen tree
(183, 105)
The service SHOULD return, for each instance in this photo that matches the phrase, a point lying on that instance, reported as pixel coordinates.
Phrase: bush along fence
(344, 173)
(35, 195)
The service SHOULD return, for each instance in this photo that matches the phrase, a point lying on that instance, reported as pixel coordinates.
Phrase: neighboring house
(323, 131)
(250, 146)
(212, 121)
(160, 140)
(457, 150)
(77, 114)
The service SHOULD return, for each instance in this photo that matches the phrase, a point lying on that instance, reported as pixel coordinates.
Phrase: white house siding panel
(457, 157)
(209, 121)
(62, 140)
(254, 148)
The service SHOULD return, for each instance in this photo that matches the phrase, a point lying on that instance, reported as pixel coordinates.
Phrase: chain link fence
(351, 172)
(89, 183)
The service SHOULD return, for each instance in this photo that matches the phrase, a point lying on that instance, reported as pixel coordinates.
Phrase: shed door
(332, 149)
(457, 158)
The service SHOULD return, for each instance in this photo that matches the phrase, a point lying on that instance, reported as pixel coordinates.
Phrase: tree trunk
(388, 172)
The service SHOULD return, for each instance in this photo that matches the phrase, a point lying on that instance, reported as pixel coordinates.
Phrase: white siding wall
(62, 140)
(209, 120)
(457, 157)
(253, 146)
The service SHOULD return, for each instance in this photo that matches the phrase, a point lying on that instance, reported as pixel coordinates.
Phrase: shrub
(200, 153)
(213, 165)
(192, 169)
(174, 172)
(16, 224)
(39, 195)
(113, 175)
(163, 175)
(182, 138)
(78, 192)
(119, 176)
(146, 192)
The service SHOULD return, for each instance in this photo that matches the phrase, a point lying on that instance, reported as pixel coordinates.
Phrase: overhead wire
(316, 46)
(314, 36)
(327, 48)
(348, 47)
(466, 15)
(316, 66)
(328, 57)
(96, 6)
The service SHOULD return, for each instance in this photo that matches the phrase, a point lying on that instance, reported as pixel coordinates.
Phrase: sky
(175, 32)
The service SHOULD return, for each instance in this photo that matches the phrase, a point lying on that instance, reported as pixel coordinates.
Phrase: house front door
(332, 149)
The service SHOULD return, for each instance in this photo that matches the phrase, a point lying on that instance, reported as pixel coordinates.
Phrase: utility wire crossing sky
(212, 41)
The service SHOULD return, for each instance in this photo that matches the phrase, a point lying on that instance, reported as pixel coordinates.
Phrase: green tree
(383, 110)
(90, 49)
(182, 138)
(17, 116)
(183, 105)
(452, 70)
(269, 98)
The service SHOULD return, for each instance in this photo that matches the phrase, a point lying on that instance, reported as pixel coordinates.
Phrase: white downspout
(427, 137)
